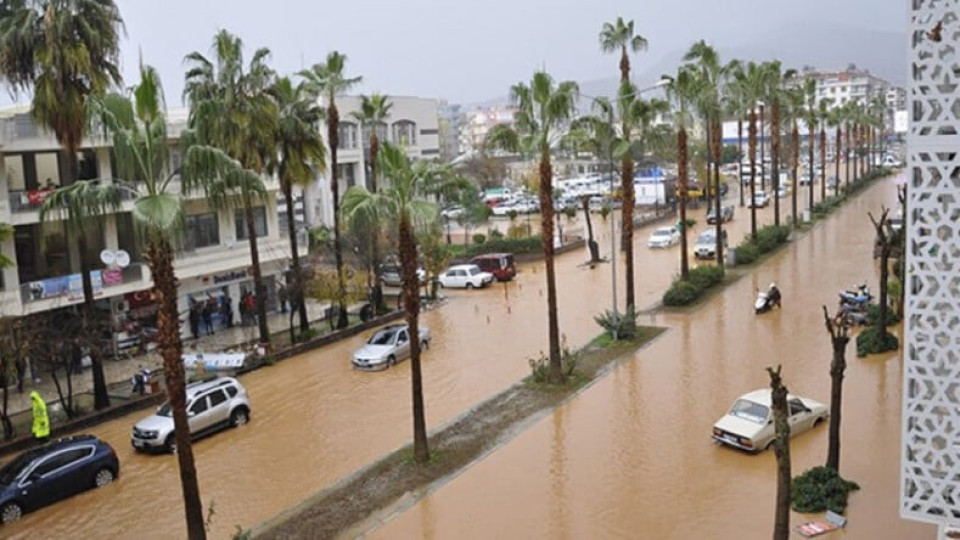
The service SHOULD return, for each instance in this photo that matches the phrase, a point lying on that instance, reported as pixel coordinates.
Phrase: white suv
(212, 405)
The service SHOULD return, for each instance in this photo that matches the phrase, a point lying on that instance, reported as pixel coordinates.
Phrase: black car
(54, 471)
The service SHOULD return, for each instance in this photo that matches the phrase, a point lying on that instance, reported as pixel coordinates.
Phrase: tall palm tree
(794, 99)
(230, 108)
(682, 91)
(754, 82)
(736, 106)
(775, 98)
(401, 201)
(374, 110)
(847, 114)
(138, 126)
(64, 52)
(619, 37)
(835, 120)
(704, 59)
(300, 151)
(328, 79)
(543, 108)
(810, 115)
(823, 116)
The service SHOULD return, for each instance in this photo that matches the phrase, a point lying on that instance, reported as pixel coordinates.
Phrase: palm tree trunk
(811, 139)
(101, 399)
(411, 303)
(752, 135)
(297, 287)
(838, 339)
(591, 243)
(823, 162)
(740, 158)
(261, 293)
(627, 229)
(159, 257)
(795, 154)
(717, 128)
(379, 305)
(781, 447)
(546, 223)
(333, 136)
(837, 157)
(846, 158)
(682, 178)
(775, 159)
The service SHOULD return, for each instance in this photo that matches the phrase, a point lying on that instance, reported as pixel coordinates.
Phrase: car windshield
(383, 337)
(11, 470)
(707, 236)
(661, 232)
(165, 410)
(750, 410)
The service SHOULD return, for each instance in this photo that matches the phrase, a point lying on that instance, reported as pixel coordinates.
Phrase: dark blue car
(55, 471)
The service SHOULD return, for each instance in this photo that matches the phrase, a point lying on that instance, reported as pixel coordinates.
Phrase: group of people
(248, 309)
(201, 315)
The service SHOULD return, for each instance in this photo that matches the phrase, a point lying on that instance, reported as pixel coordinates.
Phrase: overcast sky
(461, 50)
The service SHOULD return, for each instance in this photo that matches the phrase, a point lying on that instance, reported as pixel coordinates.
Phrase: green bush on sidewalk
(685, 292)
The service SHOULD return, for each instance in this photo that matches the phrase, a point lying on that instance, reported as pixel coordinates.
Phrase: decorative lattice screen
(930, 474)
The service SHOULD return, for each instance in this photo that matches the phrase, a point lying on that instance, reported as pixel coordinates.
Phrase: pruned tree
(781, 447)
(838, 326)
(884, 244)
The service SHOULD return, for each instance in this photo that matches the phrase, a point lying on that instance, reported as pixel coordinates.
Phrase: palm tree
(329, 80)
(835, 120)
(823, 116)
(619, 37)
(708, 103)
(847, 114)
(781, 447)
(839, 329)
(401, 202)
(83, 205)
(64, 52)
(753, 81)
(374, 109)
(795, 106)
(775, 98)
(230, 108)
(736, 106)
(300, 151)
(682, 91)
(140, 143)
(810, 115)
(542, 109)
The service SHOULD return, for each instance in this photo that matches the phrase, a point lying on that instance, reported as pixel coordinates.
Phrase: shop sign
(229, 276)
(70, 286)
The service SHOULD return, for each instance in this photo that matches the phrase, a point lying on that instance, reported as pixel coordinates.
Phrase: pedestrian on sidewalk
(208, 316)
(250, 303)
(194, 319)
(41, 422)
(282, 294)
(228, 311)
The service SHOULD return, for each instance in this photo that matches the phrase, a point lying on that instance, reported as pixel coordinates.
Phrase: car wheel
(818, 421)
(10, 512)
(469, 285)
(391, 360)
(104, 477)
(170, 444)
(424, 345)
(239, 417)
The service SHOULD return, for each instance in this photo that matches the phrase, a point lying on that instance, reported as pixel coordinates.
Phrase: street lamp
(613, 222)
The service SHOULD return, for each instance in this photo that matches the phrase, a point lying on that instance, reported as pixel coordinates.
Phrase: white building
(214, 263)
(412, 123)
(478, 122)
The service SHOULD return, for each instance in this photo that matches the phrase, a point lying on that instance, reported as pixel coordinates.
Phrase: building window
(259, 222)
(429, 131)
(405, 133)
(348, 136)
(203, 230)
(346, 172)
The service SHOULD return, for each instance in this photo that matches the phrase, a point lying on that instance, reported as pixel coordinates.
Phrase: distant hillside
(823, 47)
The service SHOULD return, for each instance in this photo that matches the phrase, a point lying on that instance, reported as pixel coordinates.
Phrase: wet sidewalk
(118, 371)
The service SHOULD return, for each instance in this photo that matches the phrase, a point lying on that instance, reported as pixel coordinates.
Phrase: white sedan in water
(664, 237)
(388, 346)
(465, 276)
(749, 423)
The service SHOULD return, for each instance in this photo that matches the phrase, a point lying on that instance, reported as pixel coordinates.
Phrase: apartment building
(478, 123)
(213, 264)
(412, 123)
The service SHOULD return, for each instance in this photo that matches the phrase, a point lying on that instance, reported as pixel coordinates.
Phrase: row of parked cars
(481, 271)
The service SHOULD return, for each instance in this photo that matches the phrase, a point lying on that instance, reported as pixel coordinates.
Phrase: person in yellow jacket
(41, 422)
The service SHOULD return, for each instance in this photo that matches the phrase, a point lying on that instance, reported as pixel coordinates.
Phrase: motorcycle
(763, 303)
(856, 314)
(859, 298)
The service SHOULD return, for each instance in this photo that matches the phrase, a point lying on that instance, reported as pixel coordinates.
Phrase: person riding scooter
(773, 295)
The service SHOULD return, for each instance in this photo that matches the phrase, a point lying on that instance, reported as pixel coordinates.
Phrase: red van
(501, 265)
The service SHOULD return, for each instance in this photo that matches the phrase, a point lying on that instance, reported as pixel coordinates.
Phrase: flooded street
(632, 457)
(631, 454)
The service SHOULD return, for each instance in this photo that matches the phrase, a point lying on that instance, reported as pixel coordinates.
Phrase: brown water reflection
(632, 457)
(315, 420)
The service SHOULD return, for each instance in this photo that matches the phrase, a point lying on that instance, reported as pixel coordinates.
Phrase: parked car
(468, 276)
(760, 199)
(57, 470)
(213, 404)
(452, 212)
(504, 208)
(706, 246)
(663, 237)
(726, 214)
(388, 346)
(391, 277)
(749, 423)
(501, 265)
(783, 191)
(833, 183)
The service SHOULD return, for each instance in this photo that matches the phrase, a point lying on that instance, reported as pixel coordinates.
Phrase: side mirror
(191, 413)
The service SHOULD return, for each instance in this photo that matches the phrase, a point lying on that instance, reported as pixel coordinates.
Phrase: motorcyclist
(773, 295)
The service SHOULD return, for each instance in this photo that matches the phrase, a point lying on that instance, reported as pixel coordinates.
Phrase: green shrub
(747, 253)
(530, 244)
(875, 340)
(495, 234)
(820, 489)
(512, 214)
(704, 277)
(479, 238)
(681, 293)
(873, 313)
(540, 366)
(771, 236)
(625, 324)
(570, 212)
(604, 211)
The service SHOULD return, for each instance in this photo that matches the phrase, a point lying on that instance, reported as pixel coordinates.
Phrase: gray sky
(462, 50)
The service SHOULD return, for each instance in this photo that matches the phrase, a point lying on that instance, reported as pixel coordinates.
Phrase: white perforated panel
(930, 462)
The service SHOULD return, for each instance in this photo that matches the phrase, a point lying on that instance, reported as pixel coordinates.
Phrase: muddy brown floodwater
(632, 457)
(634, 450)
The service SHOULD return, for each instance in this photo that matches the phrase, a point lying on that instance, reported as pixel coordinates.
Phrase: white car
(452, 212)
(388, 346)
(760, 199)
(505, 207)
(664, 237)
(465, 276)
(749, 423)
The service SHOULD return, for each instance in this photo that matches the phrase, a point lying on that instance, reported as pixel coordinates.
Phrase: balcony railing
(71, 287)
(32, 199)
